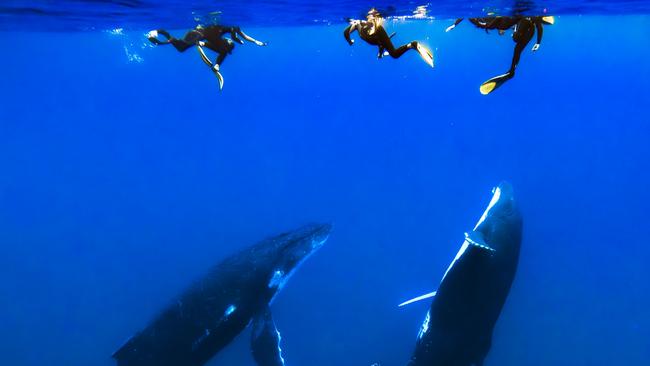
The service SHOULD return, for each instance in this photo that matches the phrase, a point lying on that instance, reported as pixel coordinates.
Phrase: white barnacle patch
(231, 309)
(496, 194)
(315, 244)
(425, 326)
(278, 279)
(200, 340)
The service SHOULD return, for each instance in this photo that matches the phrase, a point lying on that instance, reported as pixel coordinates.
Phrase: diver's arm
(250, 39)
(454, 25)
(346, 33)
(540, 33)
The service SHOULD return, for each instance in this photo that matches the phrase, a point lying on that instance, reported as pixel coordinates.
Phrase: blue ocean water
(126, 174)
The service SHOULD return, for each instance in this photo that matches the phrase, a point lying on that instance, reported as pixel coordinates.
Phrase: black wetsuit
(212, 36)
(375, 34)
(524, 30)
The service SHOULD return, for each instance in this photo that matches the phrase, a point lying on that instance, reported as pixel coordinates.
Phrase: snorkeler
(524, 30)
(211, 37)
(373, 32)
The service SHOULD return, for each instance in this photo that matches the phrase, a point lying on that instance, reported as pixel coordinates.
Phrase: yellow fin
(426, 55)
(487, 87)
(549, 20)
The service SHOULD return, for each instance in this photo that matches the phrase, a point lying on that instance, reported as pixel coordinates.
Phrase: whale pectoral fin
(419, 298)
(476, 239)
(265, 341)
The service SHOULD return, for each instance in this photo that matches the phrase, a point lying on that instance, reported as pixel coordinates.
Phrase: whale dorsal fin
(419, 298)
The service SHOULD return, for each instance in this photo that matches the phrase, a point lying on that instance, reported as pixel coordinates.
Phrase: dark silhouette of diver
(373, 32)
(210, 37)
(524, 30)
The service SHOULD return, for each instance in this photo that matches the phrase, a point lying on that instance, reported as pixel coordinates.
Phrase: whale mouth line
(478, 244)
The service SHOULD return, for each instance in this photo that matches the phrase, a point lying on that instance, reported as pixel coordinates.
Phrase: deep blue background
(121, 181)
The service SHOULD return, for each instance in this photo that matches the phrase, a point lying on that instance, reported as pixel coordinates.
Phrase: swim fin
(549, 20)
(204, 57)
(492, 84)
(426, 55)
(213, 67)
(219, 77)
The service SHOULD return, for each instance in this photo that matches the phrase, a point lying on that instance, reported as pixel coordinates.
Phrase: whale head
(501, 222)
(502, 205)
(294, 249)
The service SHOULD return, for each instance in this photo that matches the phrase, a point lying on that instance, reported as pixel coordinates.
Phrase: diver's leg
(426, 55)
(454, 25)
(190, 39)
(398, 52)
(180, 45)
(383, 41)
(222, 47)
(522, 36)
(381, 51)
(481, 23)
(221, 58)
(524, 32)
(519, 48)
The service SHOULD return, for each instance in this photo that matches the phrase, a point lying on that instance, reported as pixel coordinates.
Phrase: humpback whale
(265, 342)
(457, 330)
(214, 310)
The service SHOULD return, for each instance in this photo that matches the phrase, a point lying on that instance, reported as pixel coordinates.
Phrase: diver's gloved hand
(535, 47)
(351, 42)
(153, 37)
